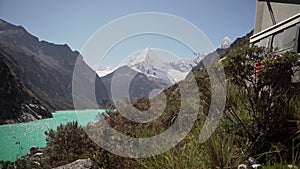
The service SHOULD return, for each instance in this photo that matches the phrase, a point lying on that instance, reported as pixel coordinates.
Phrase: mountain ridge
(150, 64)
(45, 68)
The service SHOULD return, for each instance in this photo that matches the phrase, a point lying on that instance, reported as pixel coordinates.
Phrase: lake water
(16, 139)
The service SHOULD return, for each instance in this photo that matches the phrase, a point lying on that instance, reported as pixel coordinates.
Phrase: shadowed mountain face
(44, 68)
(17, 103)
(140, 86)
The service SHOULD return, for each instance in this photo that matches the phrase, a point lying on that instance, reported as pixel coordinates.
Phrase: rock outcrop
(81, 163)
(17, 103)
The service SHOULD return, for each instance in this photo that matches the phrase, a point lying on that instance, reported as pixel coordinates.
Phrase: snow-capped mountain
(150, 71)
(103, 71)
(226, 43)
(150, 63)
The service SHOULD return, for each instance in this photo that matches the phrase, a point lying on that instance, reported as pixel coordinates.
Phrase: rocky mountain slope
(45, 68)
(17, 103)
(140, 85)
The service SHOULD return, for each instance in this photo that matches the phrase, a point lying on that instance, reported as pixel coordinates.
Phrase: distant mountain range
(150, 72)
(37, 75)
(149, 63)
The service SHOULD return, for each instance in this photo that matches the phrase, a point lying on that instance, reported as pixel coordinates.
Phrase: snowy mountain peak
(226, 43)
(153, 63)
(146, 56)
(150, 62)
(102, 70)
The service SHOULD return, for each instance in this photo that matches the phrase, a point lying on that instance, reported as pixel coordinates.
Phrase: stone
(242, 166)
(81, 163)
(256, 166)
(292, 166)
(38, 154)
(34, 150)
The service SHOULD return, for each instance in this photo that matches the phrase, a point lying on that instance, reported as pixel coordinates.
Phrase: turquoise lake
(16, 139)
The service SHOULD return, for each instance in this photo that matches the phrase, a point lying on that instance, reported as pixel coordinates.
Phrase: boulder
(81, 163)
(36, 150)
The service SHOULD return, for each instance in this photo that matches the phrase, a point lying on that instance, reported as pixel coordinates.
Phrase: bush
(68, 143)
(263, 103)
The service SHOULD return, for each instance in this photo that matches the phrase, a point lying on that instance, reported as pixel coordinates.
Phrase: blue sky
(73, 22)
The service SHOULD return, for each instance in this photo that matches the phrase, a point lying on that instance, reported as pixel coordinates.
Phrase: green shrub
(262, 105)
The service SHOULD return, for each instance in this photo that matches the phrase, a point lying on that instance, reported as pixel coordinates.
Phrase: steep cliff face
(44, 68)
(17, 103)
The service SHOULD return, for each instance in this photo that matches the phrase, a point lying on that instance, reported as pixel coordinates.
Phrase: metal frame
(276, 28)
(283, 1)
